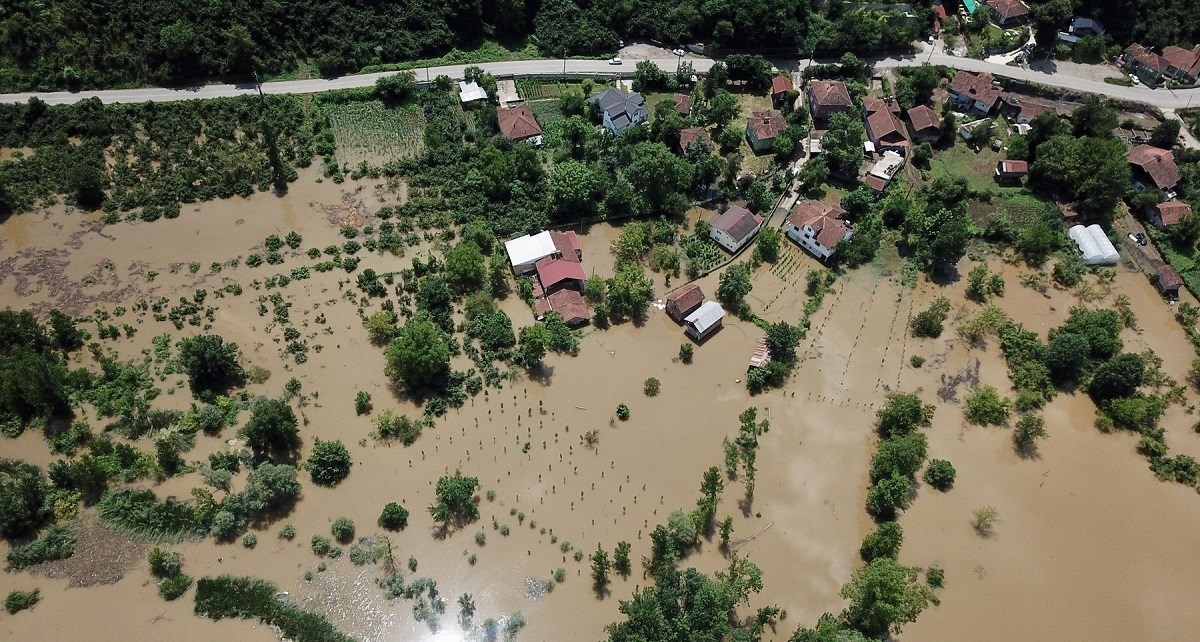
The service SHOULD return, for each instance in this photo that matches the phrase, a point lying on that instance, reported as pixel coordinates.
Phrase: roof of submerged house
(825, 220)
(551, 271)
(687, 297)
(705, 316)
(737, 222)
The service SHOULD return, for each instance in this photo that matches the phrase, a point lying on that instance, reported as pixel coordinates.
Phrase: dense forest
(52, 44)
(1159, 23)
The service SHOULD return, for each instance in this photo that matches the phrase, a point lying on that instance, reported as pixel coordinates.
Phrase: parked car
(1134, 79)
(616, 60)
(678, 52)
(1138, 238)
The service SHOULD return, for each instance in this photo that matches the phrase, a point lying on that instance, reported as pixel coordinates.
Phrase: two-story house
(817, 227)
(620, 110)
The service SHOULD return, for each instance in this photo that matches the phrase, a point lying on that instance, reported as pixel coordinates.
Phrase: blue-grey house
(620, 110)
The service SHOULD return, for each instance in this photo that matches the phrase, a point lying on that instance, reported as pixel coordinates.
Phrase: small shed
(469, 92)
(705, 320)
(1094, 246)
(1169, 282)
(684, 301)
(762, 354)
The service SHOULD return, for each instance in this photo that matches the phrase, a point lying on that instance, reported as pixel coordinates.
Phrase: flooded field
(1091, 544)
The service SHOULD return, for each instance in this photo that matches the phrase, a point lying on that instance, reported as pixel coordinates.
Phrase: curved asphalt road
(1161, 98)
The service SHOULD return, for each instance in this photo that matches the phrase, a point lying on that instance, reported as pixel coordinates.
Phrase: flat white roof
(470, 91)
(527, 249)
(888, 165)
(706, 316)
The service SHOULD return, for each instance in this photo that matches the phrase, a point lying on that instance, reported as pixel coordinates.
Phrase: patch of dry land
(1090, 544)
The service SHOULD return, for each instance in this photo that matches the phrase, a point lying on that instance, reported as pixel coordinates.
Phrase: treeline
(75, 44)
(161, 154)
(1156, 23)
(78, 44)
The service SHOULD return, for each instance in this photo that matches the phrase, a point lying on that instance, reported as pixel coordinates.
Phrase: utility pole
(678, 61)
(564, 63)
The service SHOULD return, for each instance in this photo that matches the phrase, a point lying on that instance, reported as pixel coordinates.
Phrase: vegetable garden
(370, 132)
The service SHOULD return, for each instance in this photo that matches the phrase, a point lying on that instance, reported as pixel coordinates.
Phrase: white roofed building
(469, 92)
(525, 251)
(704, 320)
(1094, 246)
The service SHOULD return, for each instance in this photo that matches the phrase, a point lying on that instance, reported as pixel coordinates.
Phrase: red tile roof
(683, 104)
(830, 93)
(737, 222)
(872, 105)
(922, 118)
(684, 300)
(824, 219)
(1009, 9)
(567, 243)
(1185, 60)
(570, 305)
(875, 183)
(1159, 164)
(1172, 212)
(780, 84)
(882, 124)
(551, 271)
(517, 123)
(766, 124)
(977, 87)
(1013, 167)
(689, 135)
(1146, 57)
(1168, 277)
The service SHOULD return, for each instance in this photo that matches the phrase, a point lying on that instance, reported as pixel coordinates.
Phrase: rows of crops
(535, 89)
(370, 132)
(546, 111)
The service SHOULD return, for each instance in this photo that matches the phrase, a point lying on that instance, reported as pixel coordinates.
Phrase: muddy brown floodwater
(1091, 545)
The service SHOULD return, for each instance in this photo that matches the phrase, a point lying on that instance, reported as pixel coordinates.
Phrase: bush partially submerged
(56, 543)
(248, 597)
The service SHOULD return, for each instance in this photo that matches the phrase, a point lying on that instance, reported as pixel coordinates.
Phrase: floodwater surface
(1090, 544)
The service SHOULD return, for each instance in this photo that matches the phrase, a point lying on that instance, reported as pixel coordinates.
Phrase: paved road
(1161, 98)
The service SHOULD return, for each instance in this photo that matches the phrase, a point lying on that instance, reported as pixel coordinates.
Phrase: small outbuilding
(1011, 171)
(1169, 282)
(470, 93)
(1094, 246)
(704, 320)
(684, 301)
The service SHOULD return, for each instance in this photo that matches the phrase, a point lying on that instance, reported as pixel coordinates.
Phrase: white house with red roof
(734, 227)
(817, 227)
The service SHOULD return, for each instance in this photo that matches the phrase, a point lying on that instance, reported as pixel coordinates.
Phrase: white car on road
(615, 60)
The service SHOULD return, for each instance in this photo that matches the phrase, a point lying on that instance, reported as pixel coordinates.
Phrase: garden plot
(372, 133)
(534, 89)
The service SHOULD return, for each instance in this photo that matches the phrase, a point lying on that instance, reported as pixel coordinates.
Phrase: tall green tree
(465, 271)
(419, 356)
(271, 428)
(884, 596)
(455, 499)
(843, 143)
(211, 364)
